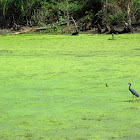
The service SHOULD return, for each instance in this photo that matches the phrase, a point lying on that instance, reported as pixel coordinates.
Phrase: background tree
(45, 12)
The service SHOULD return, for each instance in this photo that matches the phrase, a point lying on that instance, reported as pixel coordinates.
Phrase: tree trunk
(68, 13)
(128, 14)
(105, 12)
(74, 22)
(128, 25)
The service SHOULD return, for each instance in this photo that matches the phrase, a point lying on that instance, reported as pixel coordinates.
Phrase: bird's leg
(133, 98)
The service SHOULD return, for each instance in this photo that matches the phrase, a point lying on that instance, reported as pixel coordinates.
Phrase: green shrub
(118, 18)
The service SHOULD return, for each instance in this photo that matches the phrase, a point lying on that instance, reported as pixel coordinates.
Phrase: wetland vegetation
(54, 87)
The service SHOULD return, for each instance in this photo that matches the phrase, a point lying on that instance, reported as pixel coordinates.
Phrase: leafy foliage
(118, 18)
(43, 12)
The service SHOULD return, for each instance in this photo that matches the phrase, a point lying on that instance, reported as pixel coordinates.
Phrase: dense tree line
(44, 12)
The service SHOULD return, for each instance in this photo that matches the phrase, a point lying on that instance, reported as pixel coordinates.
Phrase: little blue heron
(113, 36)
(133, 91)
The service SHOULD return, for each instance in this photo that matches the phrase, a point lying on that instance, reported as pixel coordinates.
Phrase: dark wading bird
(76, 33)
(133, 91)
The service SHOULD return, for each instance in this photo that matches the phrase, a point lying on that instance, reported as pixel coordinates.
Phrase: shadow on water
(5, 51)
(133, 101)
(137, 49)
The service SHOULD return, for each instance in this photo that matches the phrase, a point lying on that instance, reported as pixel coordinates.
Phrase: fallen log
(27, 30)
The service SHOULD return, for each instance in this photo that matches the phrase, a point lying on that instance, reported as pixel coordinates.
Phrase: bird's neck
(129, 86)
